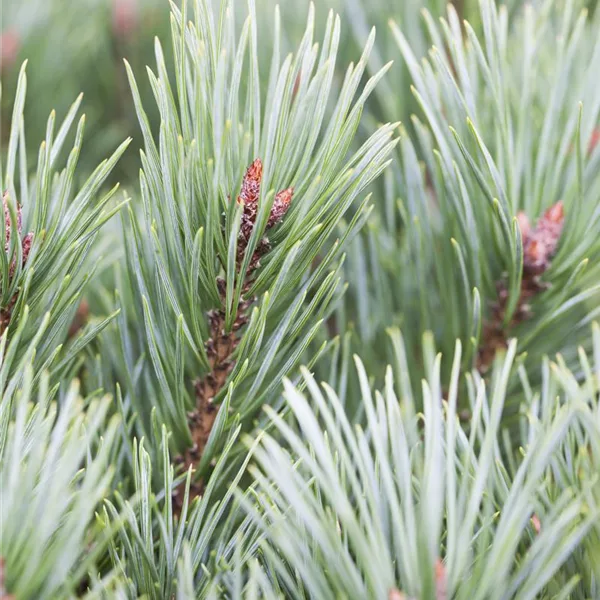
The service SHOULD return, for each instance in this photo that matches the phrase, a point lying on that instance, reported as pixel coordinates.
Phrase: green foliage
(41, 285)
(77, 47)
(158, 437)
(54, 471)
(505, 125)
(415, 489)
(151, 543)
(187, 231)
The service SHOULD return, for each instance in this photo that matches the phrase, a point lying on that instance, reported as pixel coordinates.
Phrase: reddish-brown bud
(251, 184)
(536, 251)
(26, 245)
(9, 49)
(594, 139)
(555, 214)
(125, 18)
(542, 242)
(539, 245)
(440, 580)
(280, 206)
(249, 195)
(25, 242)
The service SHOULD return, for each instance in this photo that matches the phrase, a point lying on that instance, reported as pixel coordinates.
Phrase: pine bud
(25, 242)
(594, 139)
(440, 580)
(555, 214)
(280, 206)
(10, 43)
(251, 184)
(125, 18)
(249, 196)
(542, 242)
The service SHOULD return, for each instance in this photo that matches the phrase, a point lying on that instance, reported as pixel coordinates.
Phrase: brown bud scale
(26, 242)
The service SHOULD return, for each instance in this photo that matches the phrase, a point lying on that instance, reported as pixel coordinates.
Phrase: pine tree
(337, 338)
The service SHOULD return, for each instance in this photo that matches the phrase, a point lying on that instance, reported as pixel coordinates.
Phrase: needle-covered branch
(241, 192)
(49, 229)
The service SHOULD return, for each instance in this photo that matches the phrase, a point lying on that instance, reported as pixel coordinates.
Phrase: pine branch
(495, 136)
(222, 342)
(54, 470)
(471, 479)
(43, 273)
(25, 242)
(413, 506)
(231, 289)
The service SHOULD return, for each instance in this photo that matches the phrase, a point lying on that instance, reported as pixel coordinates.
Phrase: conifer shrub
(325, 326)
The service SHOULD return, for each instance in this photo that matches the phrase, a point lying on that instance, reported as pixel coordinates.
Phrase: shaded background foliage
(78, 47)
